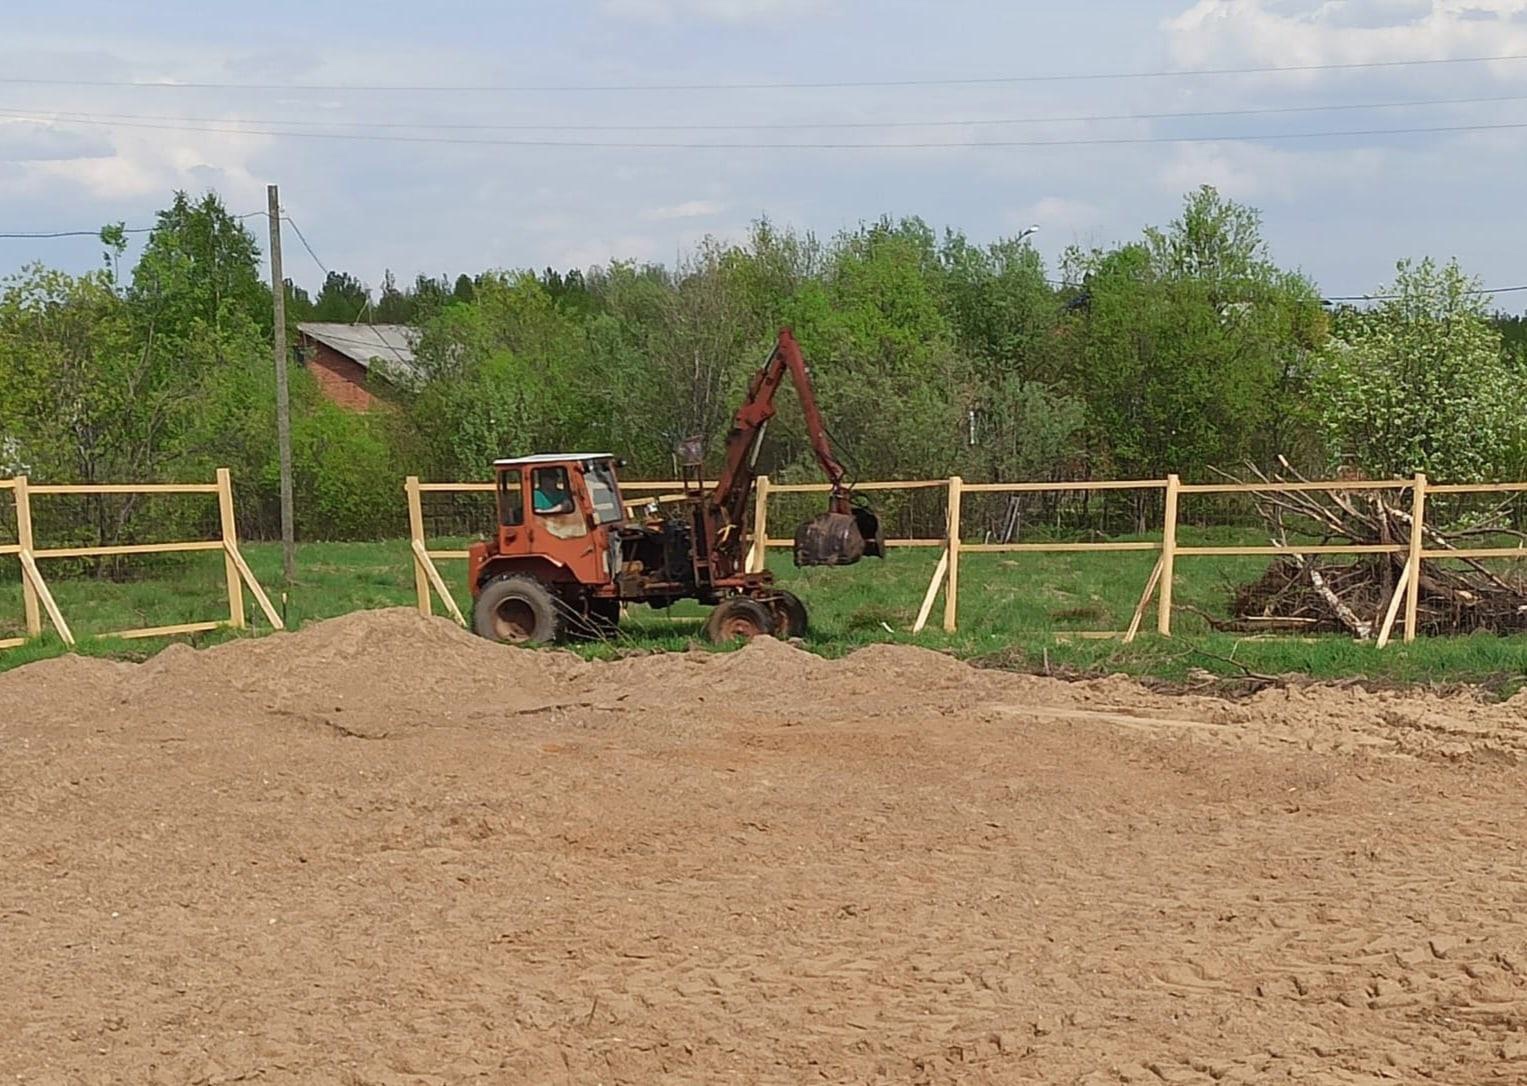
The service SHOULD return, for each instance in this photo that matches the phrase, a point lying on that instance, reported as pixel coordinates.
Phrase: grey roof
(547, 458)
(392, 344)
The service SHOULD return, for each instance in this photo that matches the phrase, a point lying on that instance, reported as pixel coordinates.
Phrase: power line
(300, 237)
(73, 233)
(801, 146)
(809, 85)
(96, 233)
(1474, 292)
(62, 116)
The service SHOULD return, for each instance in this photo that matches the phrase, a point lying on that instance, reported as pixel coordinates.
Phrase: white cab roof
(549, 458)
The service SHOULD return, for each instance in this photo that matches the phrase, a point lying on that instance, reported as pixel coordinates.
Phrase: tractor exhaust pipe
(839, 539)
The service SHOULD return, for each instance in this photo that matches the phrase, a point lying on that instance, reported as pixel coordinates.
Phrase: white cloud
(1212, 33)
(1259, 173)
(690, 209)
(36, 141)
(148, 165)
(723, 11)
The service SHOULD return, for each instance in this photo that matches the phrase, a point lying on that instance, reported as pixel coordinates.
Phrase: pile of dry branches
(1353, 593)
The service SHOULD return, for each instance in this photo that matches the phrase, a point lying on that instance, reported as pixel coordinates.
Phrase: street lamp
(1027, 232)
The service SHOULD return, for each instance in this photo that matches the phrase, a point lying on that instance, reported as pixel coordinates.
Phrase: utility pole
(283, 401)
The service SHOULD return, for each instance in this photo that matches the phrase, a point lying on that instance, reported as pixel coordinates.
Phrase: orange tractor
(566, 554)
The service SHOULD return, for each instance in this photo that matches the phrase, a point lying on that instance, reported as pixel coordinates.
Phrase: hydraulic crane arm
(844, 533)
(734, 488)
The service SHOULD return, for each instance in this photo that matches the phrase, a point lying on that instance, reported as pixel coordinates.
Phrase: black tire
(738, 618)
(517, 610)
(789, 614)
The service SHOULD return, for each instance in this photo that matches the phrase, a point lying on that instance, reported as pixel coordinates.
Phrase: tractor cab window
(511, 499)
(552, 495)
(604, 494)
(551, 499)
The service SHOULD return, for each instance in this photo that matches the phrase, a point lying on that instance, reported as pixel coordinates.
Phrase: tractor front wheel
(789, 614)
(738, 618)
(517, 610)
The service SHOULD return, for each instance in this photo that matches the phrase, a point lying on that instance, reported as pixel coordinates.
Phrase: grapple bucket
(839, 539)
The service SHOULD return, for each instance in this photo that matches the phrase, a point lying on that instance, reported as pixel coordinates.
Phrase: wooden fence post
(758, 557)
(1413, 587)
(24, 538)
(230, 540)
(1168, 555)
(416, 541)
(952, 586)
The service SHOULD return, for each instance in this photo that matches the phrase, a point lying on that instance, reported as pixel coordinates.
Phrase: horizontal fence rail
(951, 544)
(37, 597)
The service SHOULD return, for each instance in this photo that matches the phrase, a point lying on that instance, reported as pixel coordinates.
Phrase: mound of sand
(381, 850)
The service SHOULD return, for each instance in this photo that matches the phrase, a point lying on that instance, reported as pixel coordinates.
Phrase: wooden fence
(951, 545)
(37, 598)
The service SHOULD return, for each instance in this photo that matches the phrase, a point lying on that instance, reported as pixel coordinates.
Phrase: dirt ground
(383, 851)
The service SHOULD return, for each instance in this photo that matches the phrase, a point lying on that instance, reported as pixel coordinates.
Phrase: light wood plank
(887, 484)
(1475, 488)
(126, 488)
(24, 542)
(1291, 488)
(1476, 552)
(30, 571)
(1168, 556)
(166, 631)
(1400, 592)
(129, 548)
(230, 538)
(412, 487)
(1084, 484)
(1417, 546)
(13, 642)
(271, 614)
(1334, 548)
(938, 578)
(952, 586)
(1145, 600)
(423, 558)
(1056, 548)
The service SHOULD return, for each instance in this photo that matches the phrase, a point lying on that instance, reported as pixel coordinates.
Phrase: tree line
(1185, 348)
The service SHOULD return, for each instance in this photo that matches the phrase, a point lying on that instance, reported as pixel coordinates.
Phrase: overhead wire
(1171, 73)
(734, 145)
(971, 122)
(47, 234)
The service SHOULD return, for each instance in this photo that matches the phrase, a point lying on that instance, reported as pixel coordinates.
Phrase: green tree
(343, 299)
(1420, 382)
(1192, 347)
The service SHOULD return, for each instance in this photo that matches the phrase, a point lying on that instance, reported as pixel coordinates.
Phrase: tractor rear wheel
(517, 610)
(789, 614)
(738, 618)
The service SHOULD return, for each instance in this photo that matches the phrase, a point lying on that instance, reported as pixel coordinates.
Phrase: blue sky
(1342, 209)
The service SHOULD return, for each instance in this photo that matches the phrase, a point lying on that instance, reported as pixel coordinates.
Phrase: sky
(75, 154)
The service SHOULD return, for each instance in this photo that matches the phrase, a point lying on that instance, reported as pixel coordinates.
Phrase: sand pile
(380, 850)
(377, 673)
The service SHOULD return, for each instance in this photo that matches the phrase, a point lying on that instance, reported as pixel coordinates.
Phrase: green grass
(1021, 610)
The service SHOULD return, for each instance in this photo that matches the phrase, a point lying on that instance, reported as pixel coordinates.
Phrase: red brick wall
(341, 379)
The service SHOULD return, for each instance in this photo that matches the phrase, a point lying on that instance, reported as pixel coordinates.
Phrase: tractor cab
(559, 514)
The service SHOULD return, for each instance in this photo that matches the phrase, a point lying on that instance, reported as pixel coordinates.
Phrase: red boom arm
(735, 485)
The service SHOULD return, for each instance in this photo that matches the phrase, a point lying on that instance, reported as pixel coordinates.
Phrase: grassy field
(1025, 611)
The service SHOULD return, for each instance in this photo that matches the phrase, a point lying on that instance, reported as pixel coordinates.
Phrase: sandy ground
(382, 851)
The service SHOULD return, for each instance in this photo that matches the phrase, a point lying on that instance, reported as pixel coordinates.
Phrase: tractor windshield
(604, 492)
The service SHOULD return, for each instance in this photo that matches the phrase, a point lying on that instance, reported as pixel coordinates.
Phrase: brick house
(356, 364)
